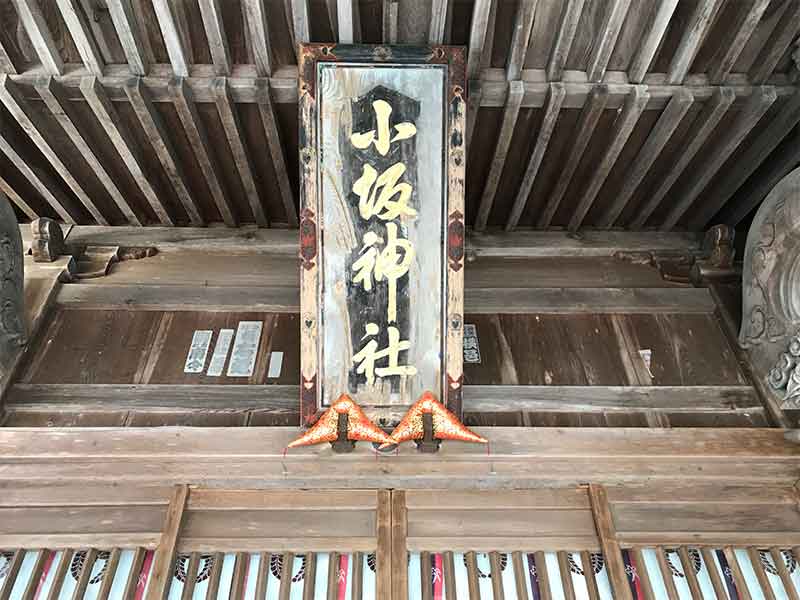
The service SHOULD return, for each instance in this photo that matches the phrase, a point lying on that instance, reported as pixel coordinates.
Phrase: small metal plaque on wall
(382, 225)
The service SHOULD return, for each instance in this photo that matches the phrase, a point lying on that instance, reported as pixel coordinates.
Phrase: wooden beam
(272, 133)
(109, 120)
(255, 15)
(566, 35)
(606, 531)
(389, 21)
(159, 139)
(651, 40)
(14, 100)
(7, 62)
(124, 20)
(62, 110)
(399, 545)
(82, 35)
(235, 135)
(8, 190)
(623, 127)
(523, 24)
(693, 35)
(166, 552)
(349, 21)
(753, 156)
(39, 33)
(211, 11)
(333, 18)
(733, 44)
(474, 95)
(590, 115)
(708, 120)
(515, 92)
(301, 19)
(554, 102)
(174, 37)
(612, 25)
(477, 37)
(776, 46)
(438, 24)
(667, 124)
(201, 147)
(757, 105)
(383, 553)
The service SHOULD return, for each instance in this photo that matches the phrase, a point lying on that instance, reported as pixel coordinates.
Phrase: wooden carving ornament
(359, 427)
(446, 425)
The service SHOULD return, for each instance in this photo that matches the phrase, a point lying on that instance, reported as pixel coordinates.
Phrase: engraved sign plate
(382, 225)
(245, 349)
(220, 355)
(198, 352)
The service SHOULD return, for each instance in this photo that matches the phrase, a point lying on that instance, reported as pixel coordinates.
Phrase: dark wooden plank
(472, 576)
(542, 576)
(333, 570)
(216, 573)
(651, 41)
(689, 573)
(566, 34)
(426, 582)
(693, 35)
(191, 576)
(496, 576)
(761, 574)
(174, 39)
(566, 576)
(786, 578)
(109, 573)
(164, 559)
(399, 553)
(357, 587)
(737, 37)
(477, 37)
(588, 573)
(666, 574)
(520, 577)
(211, 11)
(736, 572)
(78, 27)
(520, 38)
(285, 587)
(239, 578)
(774, 50)
(130, 37)
(616, 12)
(310, 577)
(255, 15)
(32, 19)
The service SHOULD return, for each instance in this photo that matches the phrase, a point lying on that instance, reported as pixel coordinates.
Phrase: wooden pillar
(12, 321)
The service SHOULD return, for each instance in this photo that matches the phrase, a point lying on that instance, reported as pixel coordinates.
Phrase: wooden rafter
(612, 25)
(436, 30)
(782, 37)
(757, 105)
(82, 35)
(708, 119)
(623, 127)
(174, 36)
(590, 115)
(606, 531)
(301, 21)
(566, 34)
(16, 103)
(475, 93)
(130, 38)
(735, 42)
(389, 21)
(156, 133)
(656, 29)
(109, 120)
(201, 147)
(214, 26)
(667, 124)
(255, 15)
(8, 190)
(510, 115)
(693, 36)
(6, 62)
(62, 110)
(477, 37)
(235, 136)
(349, 17)
(523, 24)
(164, 559)
(36, 27)
(333, 17)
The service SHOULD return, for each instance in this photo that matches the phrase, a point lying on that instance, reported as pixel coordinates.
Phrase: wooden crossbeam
(6, 62)
(623, 127)
(475, 93)
(63, 111)
(235, 136)
(738, 36)
(301, 21)
(8, 190)
(109, 120)
(214, 26)
(43, 43)
(775, 48)
(14, 100)
(616, 12)
(180, 55)
(708, 119)
(694, 33)
(276, 149)
(349, 17)
(523, 24)
(651, 40)
(389, 21)
(477, 37)
(383, 553)
(82, 35)
(166, 552)
(757, 105)
(590, 115)
(399, 549)
(510, 115)
(606, 531)
(566, 35)
(255, 16)
(554, 102)
(753, 156)
(667, 124)
(197, 136)
(130, 38)
(438, 24)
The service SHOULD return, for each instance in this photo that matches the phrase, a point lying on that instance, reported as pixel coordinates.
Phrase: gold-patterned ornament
(445, 424)
(359, 427)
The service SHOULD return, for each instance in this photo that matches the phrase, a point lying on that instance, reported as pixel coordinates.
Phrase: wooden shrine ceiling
(637, 114)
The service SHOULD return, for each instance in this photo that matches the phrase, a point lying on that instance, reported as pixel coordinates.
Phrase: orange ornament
(445, 424)
(359, 427)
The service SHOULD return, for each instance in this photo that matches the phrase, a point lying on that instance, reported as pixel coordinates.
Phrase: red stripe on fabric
(48, 564)
(342, 576)
(144, 575)
(438, 577)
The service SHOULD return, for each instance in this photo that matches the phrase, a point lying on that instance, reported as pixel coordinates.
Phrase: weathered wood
(389, 21)
(510, 115)
(604, 521)
(39, 34)
(656, 29)
(62, 110)
(164, 560)
(47, 240)
(590, 115)
(14, 100)
(566, 34)
(201, 147)
(735, 41)
(129, 35)
(757, 105)
(436, 30)
(7, 62)
(82, 35)
(709, 118)
(775, 48)
(554, 102)
(19, 201)
(13, 334)
(667, 124)
(349, 18)
(477, 37)
(255, 15)
(399, 552)
(701, 21)
(523, 24)
(111, 123)
(623, 127)
(214, 26)
(174, 39)
(475, 93)
(235, 136)
(616, 12)
(156, 133)
(301, 20)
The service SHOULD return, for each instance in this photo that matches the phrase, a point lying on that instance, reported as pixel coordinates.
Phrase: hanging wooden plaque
(382, 226)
